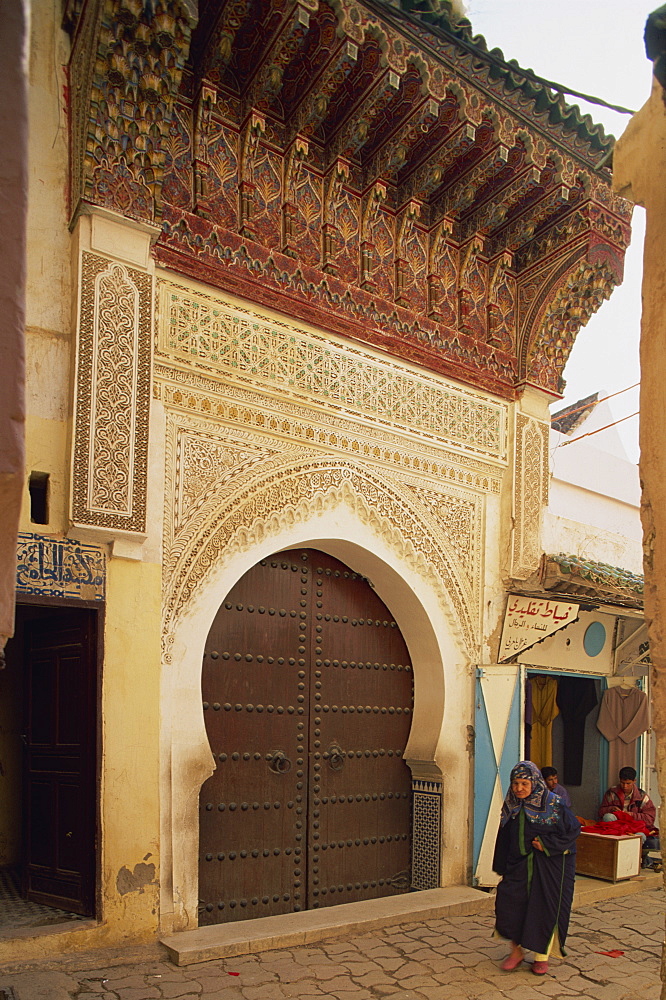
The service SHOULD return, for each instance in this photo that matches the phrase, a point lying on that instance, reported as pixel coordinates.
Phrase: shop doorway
(48, 740)
(307, 694)
(565, 735)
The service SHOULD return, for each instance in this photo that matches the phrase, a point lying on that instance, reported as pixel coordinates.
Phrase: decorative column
(530, 494)
(202, 134)
(113, 369)
(252, 133)
(403, 272)
(373, 202)
(337, 177)
(293, 166)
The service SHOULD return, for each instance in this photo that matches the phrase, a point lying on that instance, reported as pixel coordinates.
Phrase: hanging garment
(528, 721)
(576, 697)
(623, 716)
(544, 710)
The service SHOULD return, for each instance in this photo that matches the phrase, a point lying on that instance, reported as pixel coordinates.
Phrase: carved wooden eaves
(370, 110)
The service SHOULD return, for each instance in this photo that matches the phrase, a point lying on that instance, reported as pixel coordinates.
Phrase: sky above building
(595, 47)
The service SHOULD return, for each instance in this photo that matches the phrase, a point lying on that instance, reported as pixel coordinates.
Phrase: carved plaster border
(110, 454)
(530, 494)
(296, 422)
(214, 337)
(276, 492)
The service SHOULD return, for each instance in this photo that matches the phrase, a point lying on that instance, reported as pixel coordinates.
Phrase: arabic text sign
(528, 620)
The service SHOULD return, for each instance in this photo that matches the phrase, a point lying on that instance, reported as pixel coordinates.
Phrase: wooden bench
(604, 856)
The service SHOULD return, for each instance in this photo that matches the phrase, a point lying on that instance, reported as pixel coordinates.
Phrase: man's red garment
(640, 805)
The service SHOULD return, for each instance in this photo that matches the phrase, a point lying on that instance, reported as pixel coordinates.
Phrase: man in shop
(627, 797)
(549, 775)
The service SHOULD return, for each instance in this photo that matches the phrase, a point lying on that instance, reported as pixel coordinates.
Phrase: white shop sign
(528, 620)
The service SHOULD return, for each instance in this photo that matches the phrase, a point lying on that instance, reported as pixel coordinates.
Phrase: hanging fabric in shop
(576, 697)
(528, 721)
(623, 717)
(544, 710)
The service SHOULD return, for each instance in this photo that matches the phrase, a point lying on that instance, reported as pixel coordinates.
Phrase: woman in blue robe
(535, 853)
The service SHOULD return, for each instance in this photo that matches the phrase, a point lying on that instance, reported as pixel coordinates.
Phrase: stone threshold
(289, 930)
(588, 891)
(243, 937)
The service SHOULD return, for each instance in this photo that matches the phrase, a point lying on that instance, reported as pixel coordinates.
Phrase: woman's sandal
(539, 968)
(512, 961)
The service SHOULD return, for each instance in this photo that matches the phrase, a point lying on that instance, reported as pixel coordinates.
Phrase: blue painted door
(498, 746)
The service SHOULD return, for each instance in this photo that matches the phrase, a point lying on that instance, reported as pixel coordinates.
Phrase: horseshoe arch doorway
(307, 693)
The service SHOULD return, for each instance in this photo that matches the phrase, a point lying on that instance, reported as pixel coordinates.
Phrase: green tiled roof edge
(438, 14)
(599, 573)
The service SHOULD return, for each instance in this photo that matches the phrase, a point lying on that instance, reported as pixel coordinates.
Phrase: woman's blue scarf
(541, 805)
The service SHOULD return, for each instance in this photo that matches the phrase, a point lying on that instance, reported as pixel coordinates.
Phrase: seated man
(549, 775)
(629, 798)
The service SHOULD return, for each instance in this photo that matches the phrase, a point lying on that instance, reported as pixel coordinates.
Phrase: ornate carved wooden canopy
(354, 165)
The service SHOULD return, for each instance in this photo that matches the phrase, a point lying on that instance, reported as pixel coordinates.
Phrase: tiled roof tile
(439, 15)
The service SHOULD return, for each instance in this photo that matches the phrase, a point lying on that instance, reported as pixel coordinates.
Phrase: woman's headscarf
(541, 805)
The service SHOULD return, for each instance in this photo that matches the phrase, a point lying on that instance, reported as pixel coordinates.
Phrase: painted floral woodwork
(355, 170)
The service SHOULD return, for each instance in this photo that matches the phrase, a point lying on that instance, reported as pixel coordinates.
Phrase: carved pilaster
(113, 372)
(254, 129)
(403, 271)
(530, 494)
(472, 289)
(501, 304)
(202, 130)
(439, 283)
(293, 165)
(337, 177)
(374, 200)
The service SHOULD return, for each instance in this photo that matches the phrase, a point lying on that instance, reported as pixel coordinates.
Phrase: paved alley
(443, 959)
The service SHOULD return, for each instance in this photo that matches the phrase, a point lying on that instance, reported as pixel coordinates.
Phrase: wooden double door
(307, 694)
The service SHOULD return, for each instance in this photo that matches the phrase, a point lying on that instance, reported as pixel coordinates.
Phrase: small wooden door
(308, 696)
(59, 760)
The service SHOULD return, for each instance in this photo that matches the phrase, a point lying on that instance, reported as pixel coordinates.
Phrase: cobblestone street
(444, 959)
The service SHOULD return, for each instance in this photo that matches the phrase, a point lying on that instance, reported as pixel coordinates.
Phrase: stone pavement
(439, 959)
